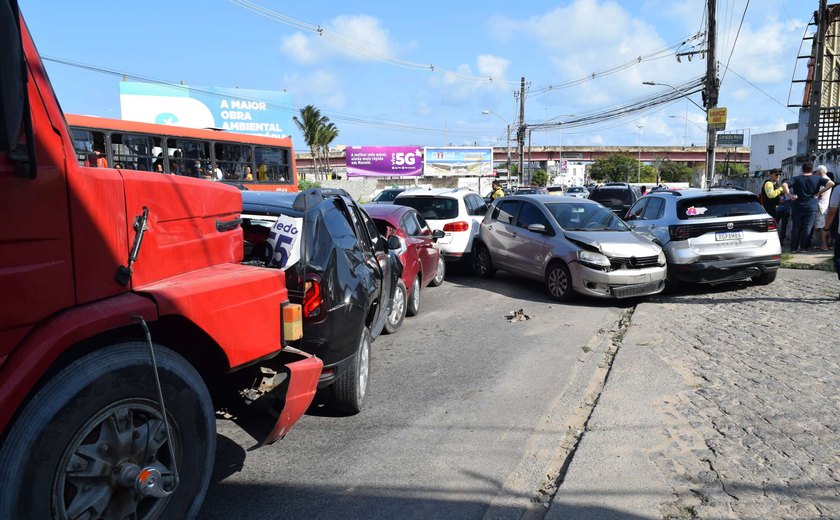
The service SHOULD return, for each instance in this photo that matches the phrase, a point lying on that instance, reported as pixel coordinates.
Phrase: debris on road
(519, 315)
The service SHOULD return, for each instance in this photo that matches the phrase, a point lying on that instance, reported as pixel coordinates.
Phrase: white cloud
(588, 36)
(298, 48)
(358, 37)
(322, 88)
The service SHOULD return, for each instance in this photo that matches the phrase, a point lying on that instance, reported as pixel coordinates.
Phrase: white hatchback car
(457, 212)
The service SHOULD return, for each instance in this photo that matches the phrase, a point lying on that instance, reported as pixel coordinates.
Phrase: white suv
(457, 212)
(710, 236)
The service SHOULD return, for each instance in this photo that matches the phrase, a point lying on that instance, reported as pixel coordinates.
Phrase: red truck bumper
(295, 394)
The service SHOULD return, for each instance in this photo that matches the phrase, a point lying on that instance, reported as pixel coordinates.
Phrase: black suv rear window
(610, 197)
(431, 208)
(719, 206)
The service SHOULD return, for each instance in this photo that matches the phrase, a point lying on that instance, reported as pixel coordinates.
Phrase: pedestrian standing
(497, 191)
(804, 190)
(833, 204)
(822, 209)
(771, 193)
(783, 215)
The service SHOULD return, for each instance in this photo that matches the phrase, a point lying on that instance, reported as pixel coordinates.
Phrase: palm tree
(309, 122)
(326, 135)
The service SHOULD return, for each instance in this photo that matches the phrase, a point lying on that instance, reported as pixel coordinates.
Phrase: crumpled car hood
(623, 244)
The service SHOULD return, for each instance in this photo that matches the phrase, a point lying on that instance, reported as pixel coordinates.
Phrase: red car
(422, 263)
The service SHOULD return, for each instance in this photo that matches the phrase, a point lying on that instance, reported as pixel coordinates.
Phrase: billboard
(458, 161)
(245, 111)
(384, 161)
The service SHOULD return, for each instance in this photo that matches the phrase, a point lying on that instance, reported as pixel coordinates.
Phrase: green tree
(324, 137)
(734, 169)
(671, 171)
(540, 178)
(309, 122)
(304, 184)
(615, 167)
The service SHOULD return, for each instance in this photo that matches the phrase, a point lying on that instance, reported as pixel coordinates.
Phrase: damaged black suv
(338, 267)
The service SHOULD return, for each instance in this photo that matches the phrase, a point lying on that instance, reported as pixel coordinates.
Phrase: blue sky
(370, 87)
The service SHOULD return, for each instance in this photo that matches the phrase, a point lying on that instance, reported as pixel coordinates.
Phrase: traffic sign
(730, 139)
(716, 118)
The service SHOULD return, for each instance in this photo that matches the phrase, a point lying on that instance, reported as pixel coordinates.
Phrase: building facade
(768, 150)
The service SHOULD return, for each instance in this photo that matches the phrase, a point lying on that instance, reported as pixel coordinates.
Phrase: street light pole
(639, 175)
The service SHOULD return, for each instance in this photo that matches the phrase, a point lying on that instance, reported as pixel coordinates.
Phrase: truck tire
(398, 306)
(351, 388)
(75, 448)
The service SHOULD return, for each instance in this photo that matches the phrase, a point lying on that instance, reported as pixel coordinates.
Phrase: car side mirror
(438, 234)
(630, 216)
(538, 228)
(394, 242)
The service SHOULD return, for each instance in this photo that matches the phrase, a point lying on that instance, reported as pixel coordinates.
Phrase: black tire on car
(482, 263)
(351, 388)
(398, 309)
(440, 273)
(413, 307)
(77, 446)
(765, 278)
(558, 282)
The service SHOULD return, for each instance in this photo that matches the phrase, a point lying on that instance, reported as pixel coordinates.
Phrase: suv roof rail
(726, 187)
(616, 184)
(313, 196)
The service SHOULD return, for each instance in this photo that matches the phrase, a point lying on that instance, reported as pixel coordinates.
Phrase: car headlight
(661, 260)
(592, 259)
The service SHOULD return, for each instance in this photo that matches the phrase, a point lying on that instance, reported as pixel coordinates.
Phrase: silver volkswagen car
(573, 245)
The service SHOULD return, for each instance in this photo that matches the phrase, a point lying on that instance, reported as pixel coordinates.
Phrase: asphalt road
(465, 414)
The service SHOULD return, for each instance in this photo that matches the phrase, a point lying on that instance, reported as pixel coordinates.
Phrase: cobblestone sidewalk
(747, 421)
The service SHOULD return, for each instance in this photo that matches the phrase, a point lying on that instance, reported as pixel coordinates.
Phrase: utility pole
(520, 132)
(711, 94)
(815, 102)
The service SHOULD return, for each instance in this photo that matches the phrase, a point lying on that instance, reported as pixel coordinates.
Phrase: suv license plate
(720, 236)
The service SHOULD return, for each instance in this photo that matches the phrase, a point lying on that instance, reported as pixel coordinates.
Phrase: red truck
(126, 322)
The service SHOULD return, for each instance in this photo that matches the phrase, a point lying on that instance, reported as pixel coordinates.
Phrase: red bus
(249, 161)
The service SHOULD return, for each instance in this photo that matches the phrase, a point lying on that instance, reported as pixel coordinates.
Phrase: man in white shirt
(822, 202)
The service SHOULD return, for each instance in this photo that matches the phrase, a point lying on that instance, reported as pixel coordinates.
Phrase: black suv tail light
(312, 298)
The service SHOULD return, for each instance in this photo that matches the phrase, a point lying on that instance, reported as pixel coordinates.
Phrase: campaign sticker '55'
(283, 247)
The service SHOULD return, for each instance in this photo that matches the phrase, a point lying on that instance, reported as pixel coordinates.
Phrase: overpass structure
(539, 156)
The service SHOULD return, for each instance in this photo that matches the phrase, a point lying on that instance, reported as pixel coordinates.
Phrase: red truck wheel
(86, 441)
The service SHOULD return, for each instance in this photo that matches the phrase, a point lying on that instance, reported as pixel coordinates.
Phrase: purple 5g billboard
(384, 161)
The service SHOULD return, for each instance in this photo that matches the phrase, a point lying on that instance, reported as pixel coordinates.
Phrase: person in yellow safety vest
(771, 193)
(262, 172)
(497, 191)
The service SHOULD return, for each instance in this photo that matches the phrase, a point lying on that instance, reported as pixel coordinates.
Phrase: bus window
(133, 151)
(188, 157)
(232, 159)
(86, 143)
(272, 164)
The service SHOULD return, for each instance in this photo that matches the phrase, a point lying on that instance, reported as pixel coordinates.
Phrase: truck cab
(127, 321)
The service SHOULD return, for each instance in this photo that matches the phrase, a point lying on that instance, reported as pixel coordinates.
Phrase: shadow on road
(259, 501)
(525, 289)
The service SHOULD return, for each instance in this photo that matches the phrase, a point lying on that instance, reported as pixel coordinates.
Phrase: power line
(758, 89)
(364, 49)
(731, 52)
